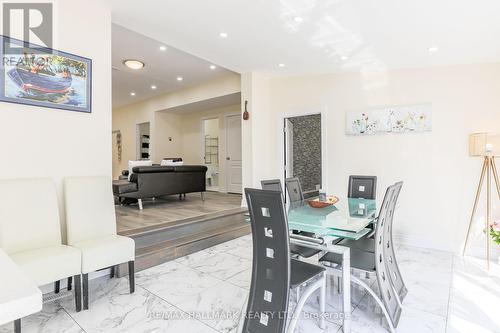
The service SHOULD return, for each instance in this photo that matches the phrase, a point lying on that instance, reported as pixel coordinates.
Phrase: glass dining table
(349, 218)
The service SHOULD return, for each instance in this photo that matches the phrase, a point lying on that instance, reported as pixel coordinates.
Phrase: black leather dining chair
(301, 251)
(366, 243)
(274, 274)
(294, 190)
(362, 187)
(382, 263)
(271, 185)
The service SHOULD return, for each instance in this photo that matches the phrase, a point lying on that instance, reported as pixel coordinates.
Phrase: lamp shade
(484, 144)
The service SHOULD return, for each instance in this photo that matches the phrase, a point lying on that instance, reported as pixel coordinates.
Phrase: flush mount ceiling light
(212, 67)
(163, 48)
(281, 65)
(223, 34)
(433, 49)
(132, 93)
(298, 19)
(344, 58)
(153, 87)
(179, 78)
(134, 64)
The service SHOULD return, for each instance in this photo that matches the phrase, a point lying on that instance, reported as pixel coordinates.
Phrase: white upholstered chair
(91, 227)
(30, 233)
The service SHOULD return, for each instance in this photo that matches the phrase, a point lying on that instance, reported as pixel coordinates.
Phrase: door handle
(228, 158)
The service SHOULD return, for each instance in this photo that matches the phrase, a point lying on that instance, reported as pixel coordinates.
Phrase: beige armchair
(91, 227)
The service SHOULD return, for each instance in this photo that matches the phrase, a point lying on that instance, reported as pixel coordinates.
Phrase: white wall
(439, 176)
(258, 161)
(168, 135)
(43, 142)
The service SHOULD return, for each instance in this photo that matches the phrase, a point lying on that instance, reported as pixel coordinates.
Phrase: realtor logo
(29, 22)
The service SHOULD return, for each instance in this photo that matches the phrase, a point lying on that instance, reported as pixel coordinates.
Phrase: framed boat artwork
(39, 76)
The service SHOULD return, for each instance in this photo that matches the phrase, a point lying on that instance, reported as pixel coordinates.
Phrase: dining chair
(294, 190)
(362, 187)
(381, 264)
(297, 250)
(272, 185)
(30, 233)
(368, 245)
(91, 227)
(274, 273)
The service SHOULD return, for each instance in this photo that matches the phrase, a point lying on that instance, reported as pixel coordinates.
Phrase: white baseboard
(405, 239)
(473, 250)
(480, 252)
(48, 288)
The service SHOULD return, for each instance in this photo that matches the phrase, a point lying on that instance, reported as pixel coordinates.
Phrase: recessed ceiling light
(298, 19)
(223, 34)
(179, 78)
(132, 93)
(281, 65)
(153, 87)
(133, 64)
(212, 67)
(163, 48)
(344, 58)
(433, 49)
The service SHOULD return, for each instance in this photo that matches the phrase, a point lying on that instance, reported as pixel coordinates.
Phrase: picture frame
(395, 119)
(34, 75)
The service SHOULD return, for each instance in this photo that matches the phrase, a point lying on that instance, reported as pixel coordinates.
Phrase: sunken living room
(176, 146)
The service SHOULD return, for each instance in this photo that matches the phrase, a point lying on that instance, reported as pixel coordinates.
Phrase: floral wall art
(398, 119)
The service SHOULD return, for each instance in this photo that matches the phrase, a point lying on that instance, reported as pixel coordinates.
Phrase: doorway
(233, 154)
(303, 151)
(211, 152)
(117, 153)
(143, 151)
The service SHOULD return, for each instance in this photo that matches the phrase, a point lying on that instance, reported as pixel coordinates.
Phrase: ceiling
(207, 104)
(333, 35)
(161, 70)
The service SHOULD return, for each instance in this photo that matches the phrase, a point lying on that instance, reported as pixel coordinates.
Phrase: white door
(233, 154)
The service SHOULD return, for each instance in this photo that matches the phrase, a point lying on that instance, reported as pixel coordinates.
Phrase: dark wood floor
(170, 208)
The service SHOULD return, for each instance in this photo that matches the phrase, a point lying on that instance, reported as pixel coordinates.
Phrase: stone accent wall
(307, 150)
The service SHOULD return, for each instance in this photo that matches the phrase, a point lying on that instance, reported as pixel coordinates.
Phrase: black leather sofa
(155, 181)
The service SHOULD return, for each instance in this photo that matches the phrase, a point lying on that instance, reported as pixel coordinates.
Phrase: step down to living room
(162, 242)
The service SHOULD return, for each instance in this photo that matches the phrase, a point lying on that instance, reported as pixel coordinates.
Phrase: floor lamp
(486, 145)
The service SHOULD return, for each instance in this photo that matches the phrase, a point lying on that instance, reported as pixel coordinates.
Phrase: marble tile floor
(204, 292)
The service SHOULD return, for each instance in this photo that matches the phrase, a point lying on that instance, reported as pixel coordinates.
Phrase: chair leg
(302, 301)
(78, 293)
(70, 283)
(85, 291)
(377, 299)
(57, 287)
(203, 196)
(180, 196)
(322, 302)
(17, 326)
(131, 276)
(139, 201)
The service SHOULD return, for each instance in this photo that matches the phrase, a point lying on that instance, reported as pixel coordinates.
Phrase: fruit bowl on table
(330, 200)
